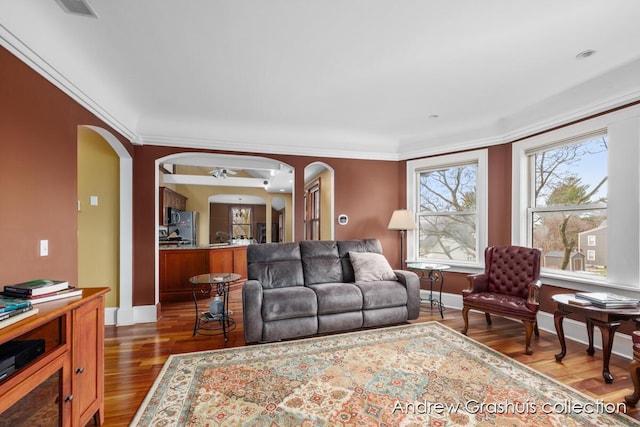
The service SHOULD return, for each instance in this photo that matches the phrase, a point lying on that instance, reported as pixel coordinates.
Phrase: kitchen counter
(177, 245)
(178, 263)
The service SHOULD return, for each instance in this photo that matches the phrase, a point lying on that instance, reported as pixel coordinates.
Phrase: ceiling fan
(222, 172)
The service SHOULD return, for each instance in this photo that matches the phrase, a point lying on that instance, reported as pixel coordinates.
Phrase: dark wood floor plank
(134, 355)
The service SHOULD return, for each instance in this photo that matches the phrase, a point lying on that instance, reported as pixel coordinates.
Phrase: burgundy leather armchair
(509, 287)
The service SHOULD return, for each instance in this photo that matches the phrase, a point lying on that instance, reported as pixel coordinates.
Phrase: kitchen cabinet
(67, 379)
(178, 265)
(229, 260)
(169, 199)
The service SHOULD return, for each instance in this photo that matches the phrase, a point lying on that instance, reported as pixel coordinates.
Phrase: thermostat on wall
(343, 219)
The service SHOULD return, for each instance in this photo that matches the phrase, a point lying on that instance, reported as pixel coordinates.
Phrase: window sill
(586, 284)
(578, 284)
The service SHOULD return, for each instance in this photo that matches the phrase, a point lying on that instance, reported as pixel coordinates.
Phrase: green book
(11, 304)
(37, 287)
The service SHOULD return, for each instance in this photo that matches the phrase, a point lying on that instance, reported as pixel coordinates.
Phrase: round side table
(220, 321)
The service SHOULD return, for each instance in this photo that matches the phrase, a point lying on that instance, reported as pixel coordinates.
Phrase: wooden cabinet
(177, 266)
(68, 378)
(240, 262)
(170, 199)
(87, 361)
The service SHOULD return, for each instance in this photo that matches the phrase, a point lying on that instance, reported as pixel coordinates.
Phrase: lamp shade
(402, 219)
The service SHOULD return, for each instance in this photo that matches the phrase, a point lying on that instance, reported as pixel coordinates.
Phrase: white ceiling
(343, 78)
(243, 171)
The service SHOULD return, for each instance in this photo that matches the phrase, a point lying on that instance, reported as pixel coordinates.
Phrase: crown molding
(14, 45)
(560, 110)
(365, 153)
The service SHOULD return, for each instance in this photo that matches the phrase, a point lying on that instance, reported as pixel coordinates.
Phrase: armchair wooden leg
(529, 327)
(488, 317)
(634, 371)
(465, 317)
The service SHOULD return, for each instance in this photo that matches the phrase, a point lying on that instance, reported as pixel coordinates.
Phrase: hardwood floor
(134, 355)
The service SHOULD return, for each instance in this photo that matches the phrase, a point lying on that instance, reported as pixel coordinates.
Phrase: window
(241, 222)
(312, 211)
(567, 200)
(448, 195)
(618, 238)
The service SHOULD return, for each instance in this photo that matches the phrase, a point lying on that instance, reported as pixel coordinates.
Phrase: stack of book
(13, 310)
(41, 290)
(608, 300)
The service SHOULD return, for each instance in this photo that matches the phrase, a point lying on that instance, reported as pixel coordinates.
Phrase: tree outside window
(241, 222)
(568, 207)
(447, 216)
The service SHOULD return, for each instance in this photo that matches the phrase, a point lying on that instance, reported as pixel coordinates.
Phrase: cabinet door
(221, 261)
(176, 268)
(87, 366)
(240, 262)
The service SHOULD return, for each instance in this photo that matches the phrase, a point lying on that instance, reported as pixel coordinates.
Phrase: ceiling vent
(77, 7)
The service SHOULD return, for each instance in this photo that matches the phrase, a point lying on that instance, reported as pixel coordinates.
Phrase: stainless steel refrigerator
(185, 226)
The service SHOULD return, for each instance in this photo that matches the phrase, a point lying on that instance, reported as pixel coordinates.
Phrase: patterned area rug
(412, 375)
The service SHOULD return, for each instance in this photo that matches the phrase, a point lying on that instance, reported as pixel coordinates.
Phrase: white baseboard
(121, 317)
(573, 330)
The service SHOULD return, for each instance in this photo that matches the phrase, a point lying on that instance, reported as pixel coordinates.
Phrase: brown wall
(38, 188)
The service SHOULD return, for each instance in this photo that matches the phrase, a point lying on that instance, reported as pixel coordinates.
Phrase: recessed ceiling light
(585, 54)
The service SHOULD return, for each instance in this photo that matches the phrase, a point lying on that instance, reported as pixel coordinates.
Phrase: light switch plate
(44, 247)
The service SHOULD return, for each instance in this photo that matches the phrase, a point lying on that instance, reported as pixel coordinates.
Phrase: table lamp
(402, 219)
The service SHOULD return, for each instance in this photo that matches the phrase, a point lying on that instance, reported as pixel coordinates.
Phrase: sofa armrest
(477, 283)
(252, 311)
(411, 281)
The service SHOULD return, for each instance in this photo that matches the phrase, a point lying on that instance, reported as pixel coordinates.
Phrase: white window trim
(413, 170)
(623, 130)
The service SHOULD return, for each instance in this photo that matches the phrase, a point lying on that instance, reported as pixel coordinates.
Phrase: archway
(319, 201)
(195, 174)
(123, 314)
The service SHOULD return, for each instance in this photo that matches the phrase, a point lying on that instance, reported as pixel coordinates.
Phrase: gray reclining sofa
(310, 287)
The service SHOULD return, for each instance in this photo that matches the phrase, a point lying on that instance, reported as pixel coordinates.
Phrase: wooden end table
(203, 286)
(606, 319)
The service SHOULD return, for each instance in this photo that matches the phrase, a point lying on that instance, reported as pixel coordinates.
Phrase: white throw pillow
(369, 267)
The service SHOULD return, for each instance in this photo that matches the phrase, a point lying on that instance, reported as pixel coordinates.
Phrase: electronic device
(16, 354)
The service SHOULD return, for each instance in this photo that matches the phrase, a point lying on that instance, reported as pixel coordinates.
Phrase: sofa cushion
(384, 316)
(337, 322)
(369, 267)
(289, 328)
(346, 246)
(382, 294)
(288, 303)
(337, 297)
(275, 265)
(504, 305)
(320, 261)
